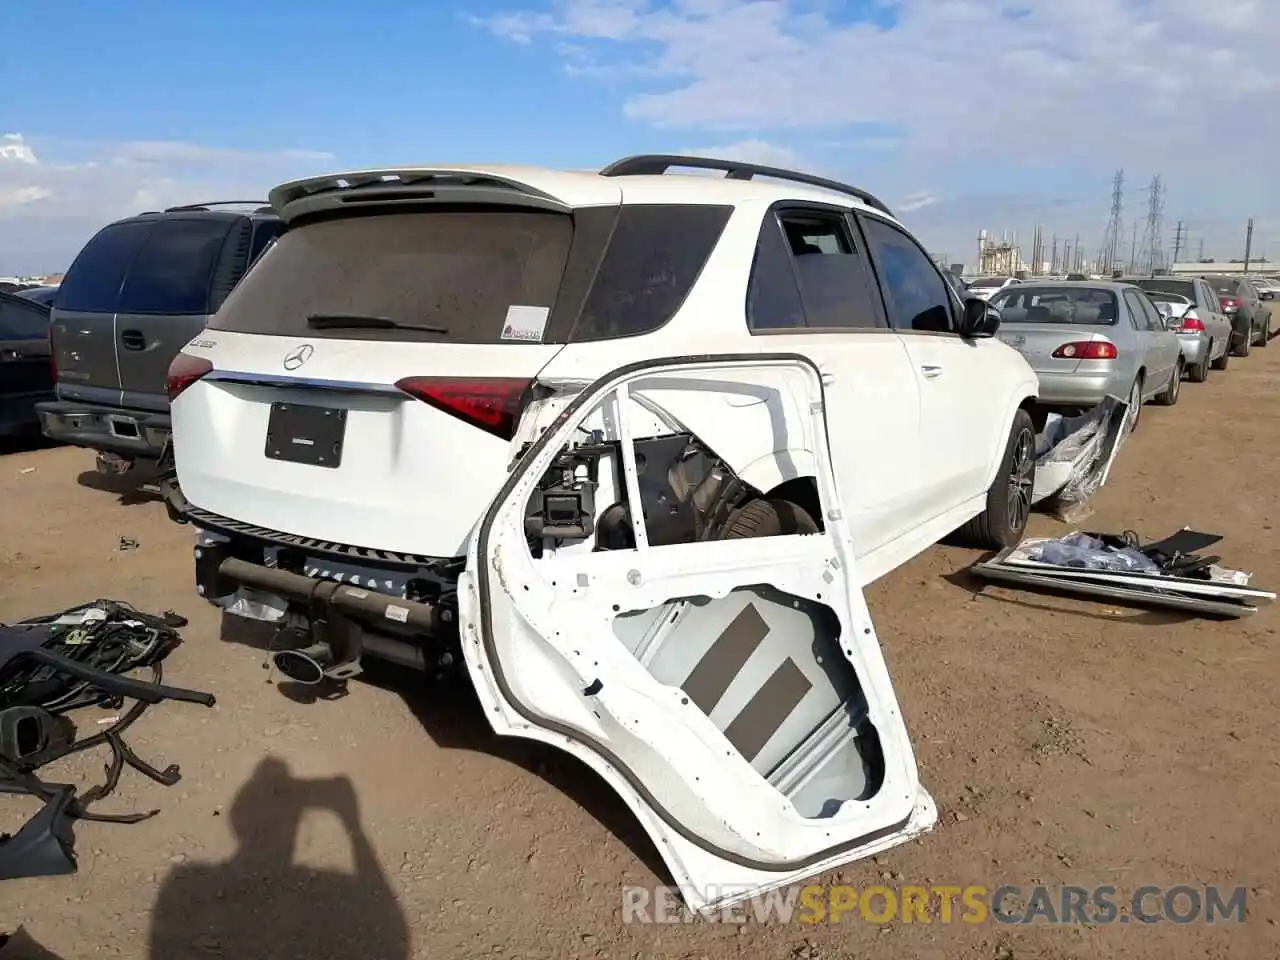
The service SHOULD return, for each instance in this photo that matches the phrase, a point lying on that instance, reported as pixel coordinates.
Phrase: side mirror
(979, 319)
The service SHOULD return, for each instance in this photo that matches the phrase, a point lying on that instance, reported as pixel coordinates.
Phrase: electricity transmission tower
(1179, 238)
(1109, 251)
(1152, 257)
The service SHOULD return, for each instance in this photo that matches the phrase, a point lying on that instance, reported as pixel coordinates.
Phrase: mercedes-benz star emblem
(298, 356)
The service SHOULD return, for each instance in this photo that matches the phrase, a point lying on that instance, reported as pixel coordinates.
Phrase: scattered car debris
(50, 666)
(1162, 573)
(128, 543)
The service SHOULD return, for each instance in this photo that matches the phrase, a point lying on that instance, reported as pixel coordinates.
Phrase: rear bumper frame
(130, 433)
(350, 618)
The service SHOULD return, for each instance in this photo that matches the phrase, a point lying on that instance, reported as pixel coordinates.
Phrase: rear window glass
(653, 261)
(1223, 285)
(462, 271)
(92, 283)
(173, 271)
(1155, 286)
(1023, 304)
(22, 321)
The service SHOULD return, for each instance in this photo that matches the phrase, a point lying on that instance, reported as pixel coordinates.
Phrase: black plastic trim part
(181, 510)
(656, 164)
(569, 733)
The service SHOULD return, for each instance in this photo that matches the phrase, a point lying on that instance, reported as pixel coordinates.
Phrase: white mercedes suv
(626, 447)
(351, 411)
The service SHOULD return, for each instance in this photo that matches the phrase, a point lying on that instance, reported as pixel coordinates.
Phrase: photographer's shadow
(259, 903)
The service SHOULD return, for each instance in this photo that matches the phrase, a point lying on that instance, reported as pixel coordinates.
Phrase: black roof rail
(262, 204)
(655, 164)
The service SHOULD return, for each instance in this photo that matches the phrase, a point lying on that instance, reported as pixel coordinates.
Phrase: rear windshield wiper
(357, 321)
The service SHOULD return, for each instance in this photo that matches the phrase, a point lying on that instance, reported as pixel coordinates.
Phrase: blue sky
(962, 115)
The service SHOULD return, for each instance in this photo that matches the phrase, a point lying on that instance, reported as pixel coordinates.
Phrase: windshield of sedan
(1074, 304)
(989, 282)
(1223, 285)
(1152, 285)
(1163, 296)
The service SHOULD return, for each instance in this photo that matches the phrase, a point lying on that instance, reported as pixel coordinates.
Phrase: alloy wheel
(1021, 479)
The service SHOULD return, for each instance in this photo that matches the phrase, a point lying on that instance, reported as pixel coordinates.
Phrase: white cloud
(916, 201)
(54, 193)
(957, 93)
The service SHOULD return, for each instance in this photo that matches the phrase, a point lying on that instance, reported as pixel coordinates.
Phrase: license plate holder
(300, 433)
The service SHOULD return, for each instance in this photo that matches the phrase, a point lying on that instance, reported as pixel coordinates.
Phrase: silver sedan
(1090, 339)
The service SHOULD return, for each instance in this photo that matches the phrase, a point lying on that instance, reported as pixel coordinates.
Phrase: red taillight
(1191, 322)
(1229, 303)
(183, 372)
(493, 404)
(1087, 350)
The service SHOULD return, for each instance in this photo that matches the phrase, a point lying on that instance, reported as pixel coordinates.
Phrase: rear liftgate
(732, 692)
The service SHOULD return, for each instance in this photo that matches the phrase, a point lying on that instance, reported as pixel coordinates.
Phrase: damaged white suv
(629, 445)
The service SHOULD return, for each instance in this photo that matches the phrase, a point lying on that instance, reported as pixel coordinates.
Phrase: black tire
(1200, 372)
(1244, 346)
(1004, 521)
(1222, 361)
(768, 518)
(1135, 414)
(1169, 396)
(1265, 336)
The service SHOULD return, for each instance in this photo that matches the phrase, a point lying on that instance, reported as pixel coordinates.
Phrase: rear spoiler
(416, 185)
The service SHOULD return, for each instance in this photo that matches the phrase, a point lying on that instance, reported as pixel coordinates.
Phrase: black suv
(137, 293)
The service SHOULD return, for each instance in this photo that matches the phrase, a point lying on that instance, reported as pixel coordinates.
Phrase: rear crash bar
(336, 617)
(355, 601)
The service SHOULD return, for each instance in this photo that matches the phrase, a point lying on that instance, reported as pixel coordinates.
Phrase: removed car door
(733, 693)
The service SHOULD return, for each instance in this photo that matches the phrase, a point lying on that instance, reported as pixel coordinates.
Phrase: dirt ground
(1065, 743)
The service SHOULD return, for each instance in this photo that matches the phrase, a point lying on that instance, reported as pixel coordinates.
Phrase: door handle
(133, 340)
(930, 371)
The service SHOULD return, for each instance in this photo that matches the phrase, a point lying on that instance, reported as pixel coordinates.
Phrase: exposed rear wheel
(1134, 413)
(768, 518)
(1222, 361)
(1004, 521)
(1264, 337)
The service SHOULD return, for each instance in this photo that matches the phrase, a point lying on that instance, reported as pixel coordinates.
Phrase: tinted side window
(18, 321)
(173, 272)
(653, 261)
(92, 283)
(773, 293)
(1136, 307)
(915, 294)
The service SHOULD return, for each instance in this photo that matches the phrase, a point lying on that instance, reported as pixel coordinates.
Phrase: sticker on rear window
(525, 323)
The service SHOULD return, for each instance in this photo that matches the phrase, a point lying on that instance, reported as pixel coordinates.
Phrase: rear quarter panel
(84, 346)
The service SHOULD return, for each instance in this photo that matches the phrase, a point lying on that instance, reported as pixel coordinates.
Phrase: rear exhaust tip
(306, 666)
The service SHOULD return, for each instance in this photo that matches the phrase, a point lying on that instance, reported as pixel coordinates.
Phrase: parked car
(1092, 338)
(140, 289)
(26, 376)
(1193, 312)
(1250, 315)
(987, 287)
(41, 294)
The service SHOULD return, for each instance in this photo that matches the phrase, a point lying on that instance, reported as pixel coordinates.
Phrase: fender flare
(777, 467)
(1019, 398)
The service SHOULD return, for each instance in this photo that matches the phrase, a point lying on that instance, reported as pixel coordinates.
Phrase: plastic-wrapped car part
(1074, 455)
(1089, 553)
